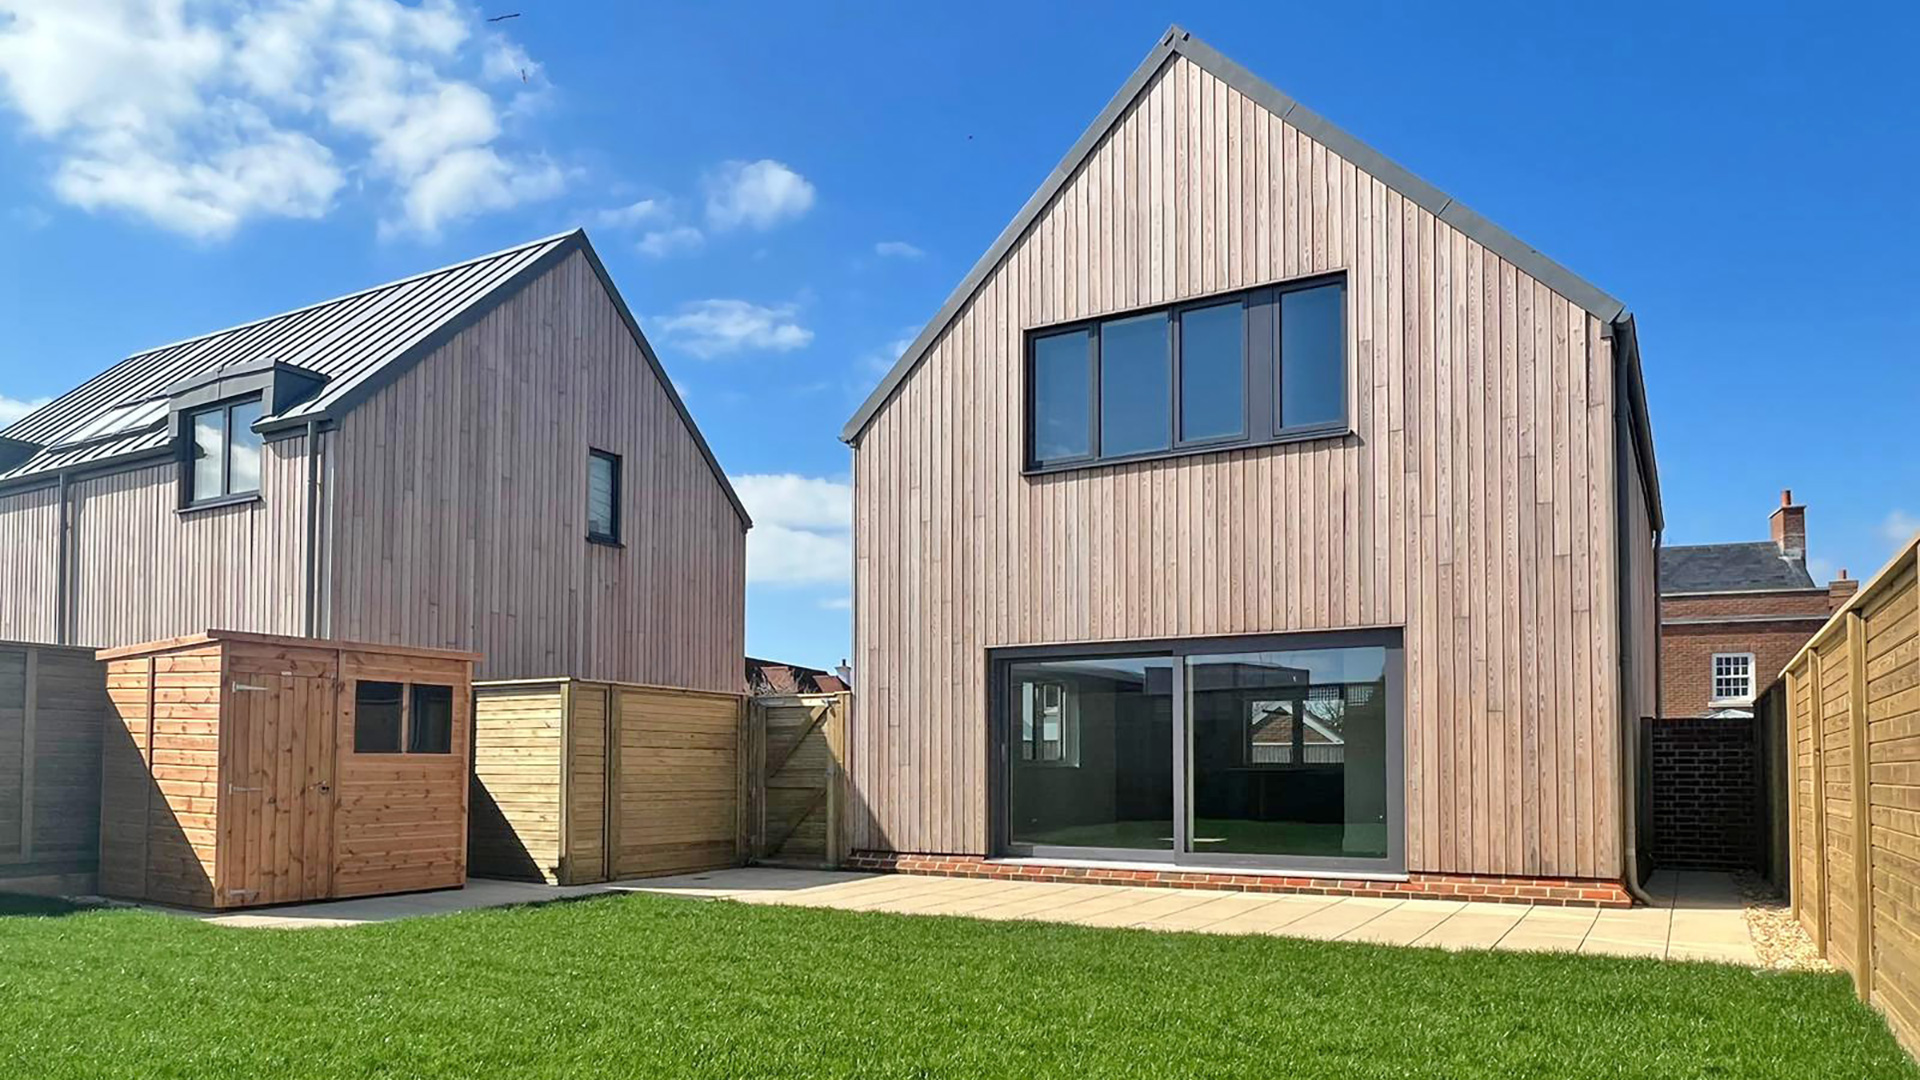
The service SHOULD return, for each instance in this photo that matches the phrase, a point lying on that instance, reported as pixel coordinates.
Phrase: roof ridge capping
(1176, 40)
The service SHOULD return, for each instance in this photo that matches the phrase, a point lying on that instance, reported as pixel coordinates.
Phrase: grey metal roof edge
(1626, 338)
(1402, 180)
(126, 461)
(1010, 235)
(666, 382)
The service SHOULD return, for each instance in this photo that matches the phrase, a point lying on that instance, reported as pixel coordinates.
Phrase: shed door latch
(249, 686)
(234, 789)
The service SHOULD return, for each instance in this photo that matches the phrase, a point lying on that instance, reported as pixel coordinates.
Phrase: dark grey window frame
(606, 539)
(1260, 366)
(190, 495)
(1002, 736)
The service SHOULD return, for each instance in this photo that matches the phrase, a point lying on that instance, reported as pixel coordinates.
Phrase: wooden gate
(796, 787)
(276, 842)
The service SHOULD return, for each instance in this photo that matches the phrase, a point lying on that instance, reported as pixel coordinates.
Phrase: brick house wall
(1706, 798)
(1687, 646)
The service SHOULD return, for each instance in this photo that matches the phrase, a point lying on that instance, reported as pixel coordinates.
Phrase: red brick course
(1554, 892)
(1686, 657)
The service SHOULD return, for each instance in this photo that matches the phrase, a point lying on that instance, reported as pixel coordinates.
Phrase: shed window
(1258, 366)
(392, 718)
(378, 709)
(430, 724)
(603, 497)
(225, 452)
(1732, 677)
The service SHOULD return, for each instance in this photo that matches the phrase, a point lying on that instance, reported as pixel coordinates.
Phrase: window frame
(1033, 741)
(191, 496)
(1714, 697)
(1003, 731)
(606, 539)
(407, 690)
(1260, 368)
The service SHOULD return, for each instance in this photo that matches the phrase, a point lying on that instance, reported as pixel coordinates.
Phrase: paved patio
(1699, 916)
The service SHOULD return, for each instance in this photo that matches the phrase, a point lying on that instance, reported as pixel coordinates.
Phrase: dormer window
(224, 454)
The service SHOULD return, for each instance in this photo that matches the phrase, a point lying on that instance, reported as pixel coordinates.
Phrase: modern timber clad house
(487, 457)
(1254, 508)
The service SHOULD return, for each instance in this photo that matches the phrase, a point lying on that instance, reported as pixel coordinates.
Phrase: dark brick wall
(1705, 787)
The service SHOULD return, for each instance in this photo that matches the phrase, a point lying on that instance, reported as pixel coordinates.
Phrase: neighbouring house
(773, 677)
(486, 457)
(1732, 615)
(1253, 507)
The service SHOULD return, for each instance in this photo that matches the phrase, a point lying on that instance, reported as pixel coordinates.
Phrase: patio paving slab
(1696, 915)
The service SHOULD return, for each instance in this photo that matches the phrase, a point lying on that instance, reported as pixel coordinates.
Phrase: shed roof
(1178, 42)
(357, 344)
(1698, 568)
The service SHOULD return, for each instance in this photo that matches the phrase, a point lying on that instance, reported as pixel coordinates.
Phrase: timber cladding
(1474, 504)
(577, 781)
(1852, 702)
(53, 701)
(243, 769)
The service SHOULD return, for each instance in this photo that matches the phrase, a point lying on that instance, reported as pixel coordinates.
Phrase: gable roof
(1706, 568)
(355, 344)
(1178, 42)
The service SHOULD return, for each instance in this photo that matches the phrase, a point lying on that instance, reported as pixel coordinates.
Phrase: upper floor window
(1732, 677)
(603, 497)
(1242, 369)
(225, 453)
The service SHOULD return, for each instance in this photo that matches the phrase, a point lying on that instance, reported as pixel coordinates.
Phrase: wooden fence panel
(53, 705)
(797, 773)
(1853, 722)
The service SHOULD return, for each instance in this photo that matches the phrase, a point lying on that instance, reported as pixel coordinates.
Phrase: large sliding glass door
(1273, 751)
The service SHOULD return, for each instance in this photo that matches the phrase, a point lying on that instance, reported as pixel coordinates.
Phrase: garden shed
(245, 769)
(577, 781)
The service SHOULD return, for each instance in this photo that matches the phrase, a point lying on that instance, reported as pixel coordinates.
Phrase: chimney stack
(1790, 528)
(1840, 590)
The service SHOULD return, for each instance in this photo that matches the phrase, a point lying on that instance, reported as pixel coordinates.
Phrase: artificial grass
(649, 986)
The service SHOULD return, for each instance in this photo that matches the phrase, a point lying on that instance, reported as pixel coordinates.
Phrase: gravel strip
(1783, 944)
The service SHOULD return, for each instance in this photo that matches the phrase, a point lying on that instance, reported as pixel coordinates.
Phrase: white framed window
(1732, 677)
(1049, 724)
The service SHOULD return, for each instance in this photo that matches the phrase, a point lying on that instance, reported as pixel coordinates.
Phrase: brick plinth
(1556, 892)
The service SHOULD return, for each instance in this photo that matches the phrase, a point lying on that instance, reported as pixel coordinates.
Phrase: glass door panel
(1090, 754)
(1289, 753)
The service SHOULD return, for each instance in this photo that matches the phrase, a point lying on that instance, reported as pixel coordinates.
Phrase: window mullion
(1093, 395)
(1175, 390)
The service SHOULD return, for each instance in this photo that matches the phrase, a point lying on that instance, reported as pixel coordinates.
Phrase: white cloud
(661, 243)
(801, 528)
(1899, 527)
(897, 249)
(632, 214)
(200, 118)
(709, 328)
(760, 194)
(12, 409)
(837, 603)
(881, 360)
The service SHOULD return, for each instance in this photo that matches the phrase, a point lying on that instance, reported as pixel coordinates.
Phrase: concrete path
(1698, 916)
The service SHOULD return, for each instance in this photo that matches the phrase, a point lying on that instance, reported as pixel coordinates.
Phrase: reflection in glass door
(1090, 754)
(1289, 753)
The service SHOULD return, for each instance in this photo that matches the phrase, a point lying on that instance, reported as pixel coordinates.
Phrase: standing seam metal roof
(359, 343)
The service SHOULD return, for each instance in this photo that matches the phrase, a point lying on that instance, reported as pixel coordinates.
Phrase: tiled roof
(1696, 568)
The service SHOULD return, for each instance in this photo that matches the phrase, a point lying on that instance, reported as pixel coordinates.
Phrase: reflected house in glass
(1254, 508)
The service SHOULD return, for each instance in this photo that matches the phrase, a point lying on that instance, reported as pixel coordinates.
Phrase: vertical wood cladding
(1473, 504)
(459, 498)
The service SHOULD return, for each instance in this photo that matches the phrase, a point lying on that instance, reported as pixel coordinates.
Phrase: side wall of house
(140, 570)
(458, 512)
(1473, 505)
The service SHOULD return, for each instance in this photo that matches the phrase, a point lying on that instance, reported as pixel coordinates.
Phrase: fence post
(836, 781)
(1795, 889)
(1862, 806)
(1818, 721)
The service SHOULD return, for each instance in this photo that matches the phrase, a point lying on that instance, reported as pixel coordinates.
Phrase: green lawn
(646, 986)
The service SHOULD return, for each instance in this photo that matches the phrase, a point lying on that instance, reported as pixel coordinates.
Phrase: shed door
(277, 812)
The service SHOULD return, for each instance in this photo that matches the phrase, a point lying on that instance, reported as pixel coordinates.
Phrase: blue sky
(784, 195)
